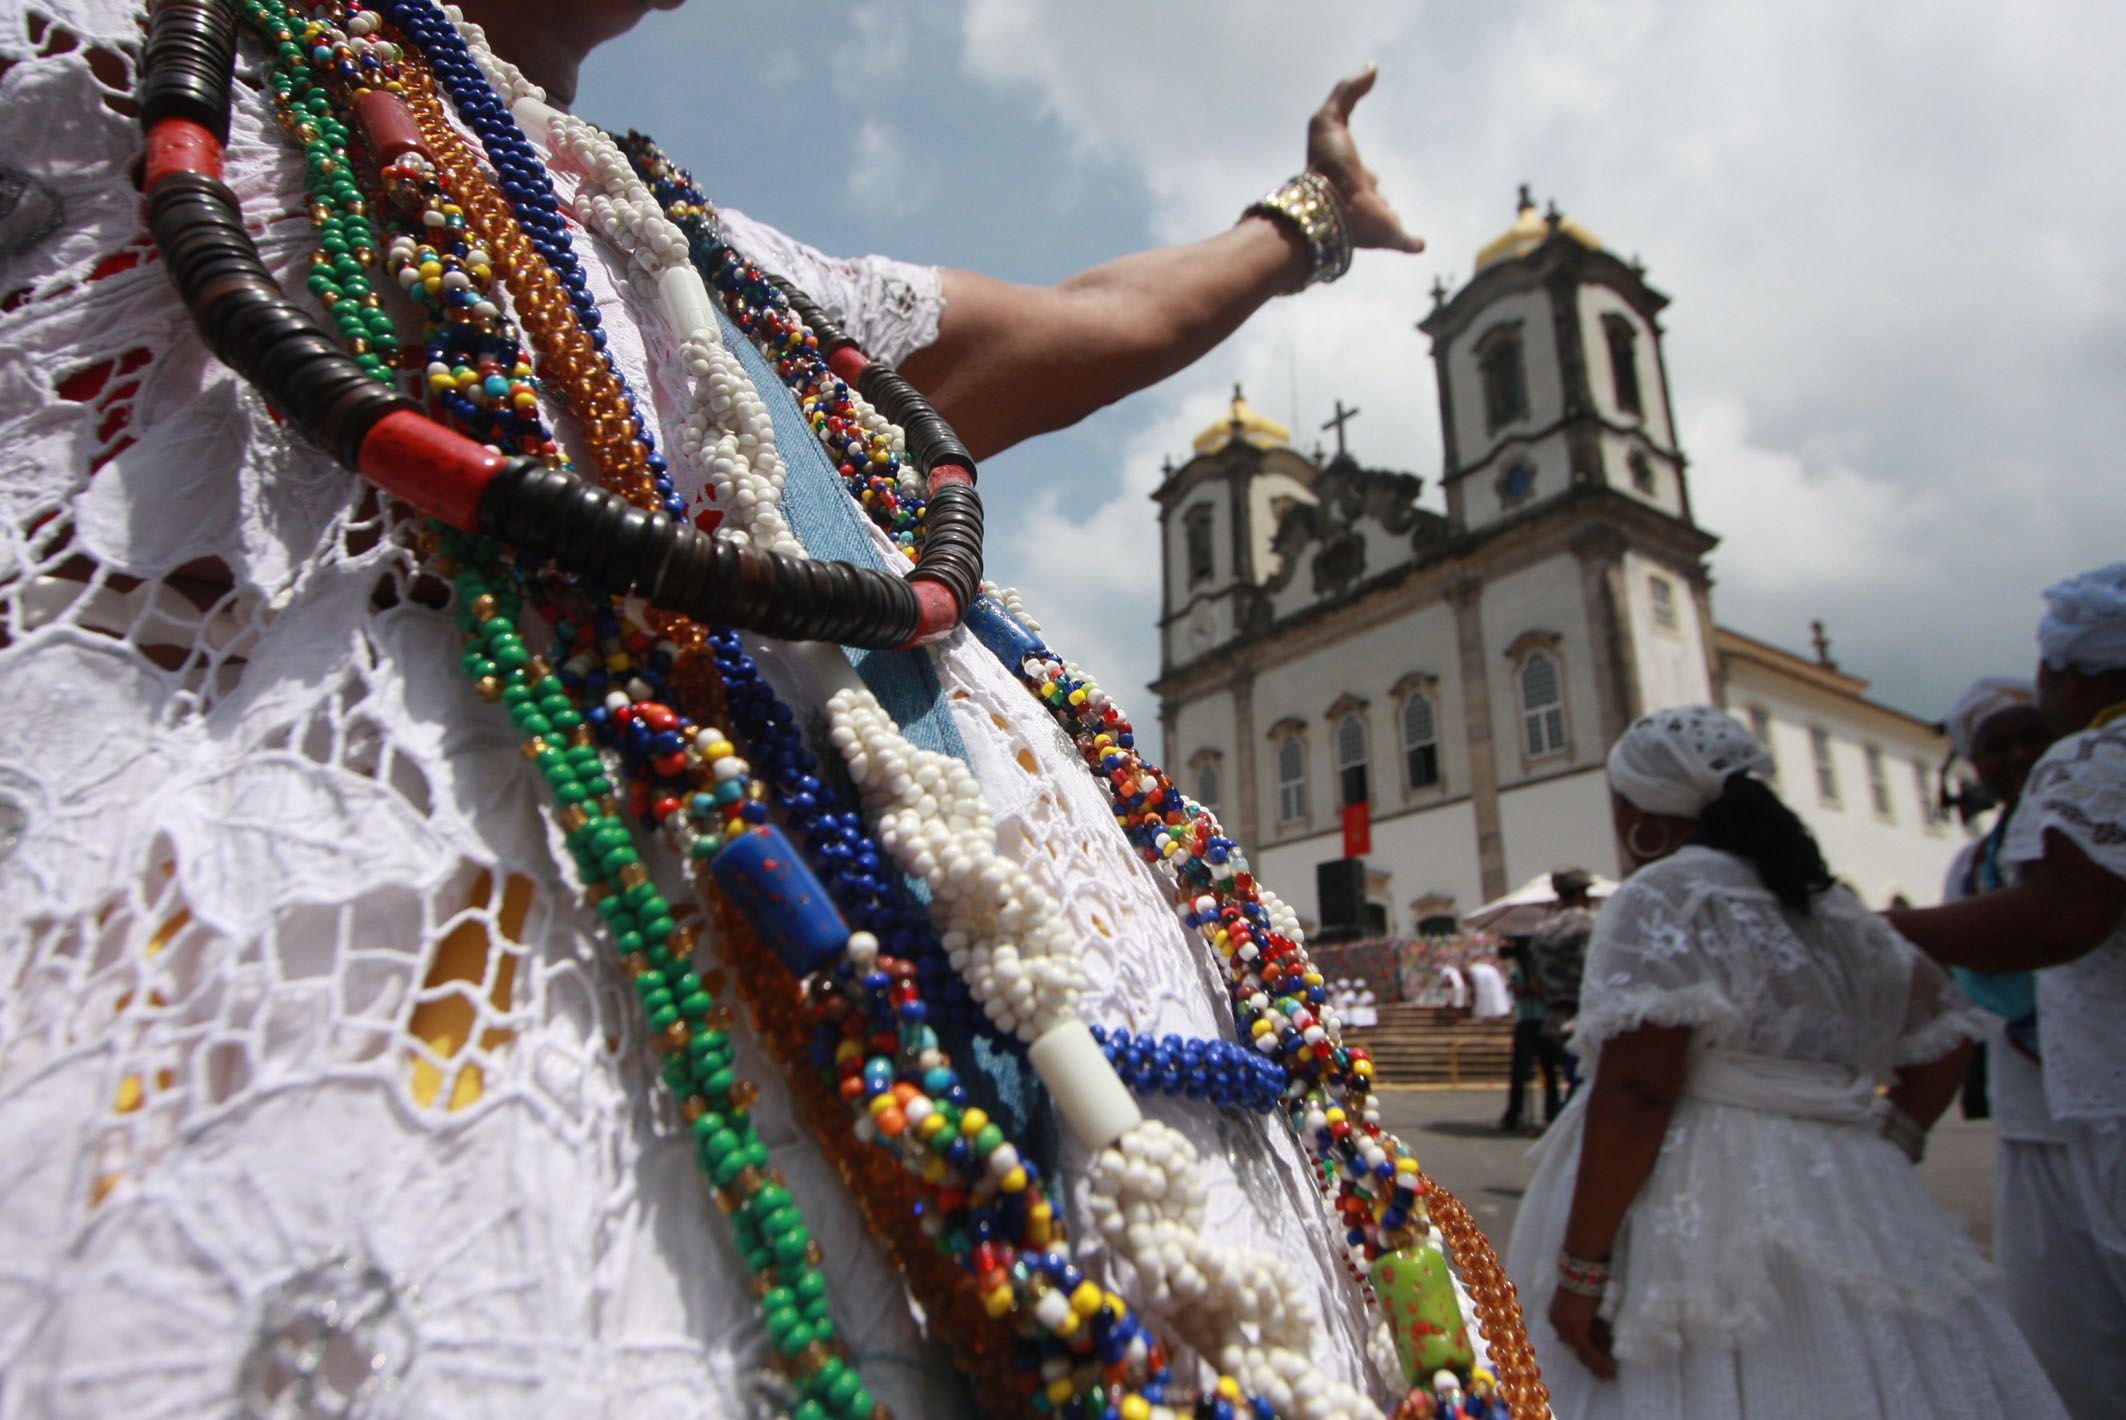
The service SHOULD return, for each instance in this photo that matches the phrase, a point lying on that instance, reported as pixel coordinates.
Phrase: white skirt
(1774, 1267)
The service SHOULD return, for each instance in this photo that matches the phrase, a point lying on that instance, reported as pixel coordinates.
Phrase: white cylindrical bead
(535, 118)
(1084, 1086)
(685, 298)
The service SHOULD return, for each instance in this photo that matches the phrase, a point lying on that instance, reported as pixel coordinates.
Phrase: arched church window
(1663, 592)
(1623, 361)
(1642, 472)
(1351, 760)
(1420, 742)
(1542, 706)
(1196, 534)
(1498, 363)
(1291, 779)
(1207, 785)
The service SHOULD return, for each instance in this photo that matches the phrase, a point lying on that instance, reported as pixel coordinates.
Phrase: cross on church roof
(1343, 416)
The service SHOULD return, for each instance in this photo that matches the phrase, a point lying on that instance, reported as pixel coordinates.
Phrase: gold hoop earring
(1640, 850)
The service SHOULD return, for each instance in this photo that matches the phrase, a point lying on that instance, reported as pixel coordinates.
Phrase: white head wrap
(1674, 761)
(2084, 625)
(1985, 699)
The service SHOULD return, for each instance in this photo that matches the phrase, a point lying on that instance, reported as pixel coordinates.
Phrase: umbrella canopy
(1523, 910)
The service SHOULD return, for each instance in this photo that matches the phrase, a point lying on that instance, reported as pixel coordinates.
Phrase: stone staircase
(1436, 1045)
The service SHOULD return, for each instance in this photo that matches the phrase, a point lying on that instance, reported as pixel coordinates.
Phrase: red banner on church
(1358, 829)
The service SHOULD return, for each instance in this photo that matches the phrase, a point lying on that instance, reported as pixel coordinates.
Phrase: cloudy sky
(1891, 233)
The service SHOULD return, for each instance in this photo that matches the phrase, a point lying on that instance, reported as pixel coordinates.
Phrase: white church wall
(1672, 665)
(1385, 550)
(1266, 492)
(1208, 724)
(1483, 498)
(1559, 823)
(1539, 367)
(1877, 854)
(1667, 491)
(1429, 850)
(1298, 593)
(1545, 597)
(1368, 664)
(1212, 495)
(1595, 303)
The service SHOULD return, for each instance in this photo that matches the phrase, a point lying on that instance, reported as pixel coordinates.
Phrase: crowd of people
(1726, 1219)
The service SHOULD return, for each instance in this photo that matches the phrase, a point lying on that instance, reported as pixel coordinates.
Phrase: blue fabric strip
(830, 525)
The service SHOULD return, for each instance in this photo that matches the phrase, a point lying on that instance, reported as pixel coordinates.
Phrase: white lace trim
(2078, 790)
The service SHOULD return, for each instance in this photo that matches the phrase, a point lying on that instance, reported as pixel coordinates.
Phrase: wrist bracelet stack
(1902, 1130)
(1580, 1277)
(1309, 207)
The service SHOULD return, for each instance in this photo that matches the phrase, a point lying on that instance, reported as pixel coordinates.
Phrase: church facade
(1326, 642)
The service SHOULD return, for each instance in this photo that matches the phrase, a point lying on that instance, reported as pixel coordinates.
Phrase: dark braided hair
(1751, 822)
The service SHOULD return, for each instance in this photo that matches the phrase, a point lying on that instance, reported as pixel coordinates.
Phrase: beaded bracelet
(1580, 1277)
(1901, 1129)
(1309, 208)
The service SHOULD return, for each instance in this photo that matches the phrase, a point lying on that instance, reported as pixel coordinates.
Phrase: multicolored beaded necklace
(642, 727)
(1278, 997)
(601, 845)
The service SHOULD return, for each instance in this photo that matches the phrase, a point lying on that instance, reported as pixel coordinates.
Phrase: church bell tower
(1551, 376)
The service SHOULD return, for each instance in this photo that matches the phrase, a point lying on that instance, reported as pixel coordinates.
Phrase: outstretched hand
(1332, 153)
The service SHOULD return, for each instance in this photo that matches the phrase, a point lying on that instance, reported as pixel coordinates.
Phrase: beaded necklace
(610, 848)
(1279, 1000)
(1266, 1295)
(1012, 1172)
(678, 1005)
(336, 411)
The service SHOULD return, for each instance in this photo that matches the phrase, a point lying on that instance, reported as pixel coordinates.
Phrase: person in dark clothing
(1532, 1049)
(1557, 955)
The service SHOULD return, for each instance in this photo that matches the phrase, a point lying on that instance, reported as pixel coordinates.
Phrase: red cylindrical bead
(848, 364)
(438, 470)
(939, 614)
(178, 145)
(389, 126)
(943, 474)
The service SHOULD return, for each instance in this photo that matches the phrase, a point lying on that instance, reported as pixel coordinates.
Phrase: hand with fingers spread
(1332, 152)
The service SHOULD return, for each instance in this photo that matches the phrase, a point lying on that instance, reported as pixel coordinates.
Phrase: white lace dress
(1781, 1259)
(2078, 790)
(317, 1095)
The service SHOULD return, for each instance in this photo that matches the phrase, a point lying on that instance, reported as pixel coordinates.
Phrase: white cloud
(879, 170)
(1900, 309)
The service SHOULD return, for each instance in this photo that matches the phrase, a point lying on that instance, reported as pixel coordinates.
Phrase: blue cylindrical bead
(779, 895)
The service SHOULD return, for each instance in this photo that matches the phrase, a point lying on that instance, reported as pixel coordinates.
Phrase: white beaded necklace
(1019, 957)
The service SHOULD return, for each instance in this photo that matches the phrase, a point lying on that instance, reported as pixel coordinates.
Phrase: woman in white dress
(1718, 1226)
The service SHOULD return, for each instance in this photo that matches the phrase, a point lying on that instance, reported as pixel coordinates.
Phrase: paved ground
(1454, 1134)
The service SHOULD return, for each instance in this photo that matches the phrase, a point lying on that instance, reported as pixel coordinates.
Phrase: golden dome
(1530, 230)
(1245, 422)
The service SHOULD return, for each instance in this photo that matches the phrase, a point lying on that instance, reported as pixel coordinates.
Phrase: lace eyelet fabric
(2078, 790)
(315, 1097)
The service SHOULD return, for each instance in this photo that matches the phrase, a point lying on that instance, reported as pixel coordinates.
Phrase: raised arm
(1013, 361)
(2064, 906)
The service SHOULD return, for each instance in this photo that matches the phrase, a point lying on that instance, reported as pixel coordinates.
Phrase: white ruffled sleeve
(890, 308)
(2079, 790)
(1647, 966)
(1938, 1016)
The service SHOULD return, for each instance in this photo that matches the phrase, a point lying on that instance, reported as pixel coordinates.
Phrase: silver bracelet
(1901, 1129)
(1309, 208)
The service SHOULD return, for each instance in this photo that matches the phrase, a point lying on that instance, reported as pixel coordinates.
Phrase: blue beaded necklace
(530, 192)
